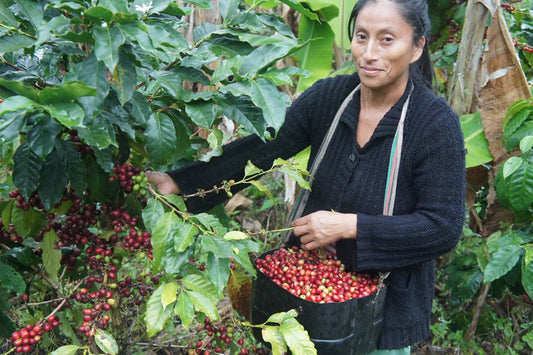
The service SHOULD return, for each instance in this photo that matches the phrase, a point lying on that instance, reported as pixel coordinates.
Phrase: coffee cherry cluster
(10, 234)
(315, 276)
(33, 201)
(82, 148)
(217, 338)
(130, 178)
(24, 338)
(95, 317)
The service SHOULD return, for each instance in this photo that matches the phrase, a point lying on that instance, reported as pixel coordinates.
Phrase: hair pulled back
(415, 13)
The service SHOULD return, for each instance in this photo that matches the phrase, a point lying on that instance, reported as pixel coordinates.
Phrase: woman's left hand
(322, 228)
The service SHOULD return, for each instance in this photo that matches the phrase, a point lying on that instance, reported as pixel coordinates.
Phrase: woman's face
(382, 46)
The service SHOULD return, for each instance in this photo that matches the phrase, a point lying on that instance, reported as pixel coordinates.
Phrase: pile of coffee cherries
(315, 276)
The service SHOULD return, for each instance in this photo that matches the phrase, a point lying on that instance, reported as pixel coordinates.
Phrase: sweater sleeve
(293, 136)
(437, 163)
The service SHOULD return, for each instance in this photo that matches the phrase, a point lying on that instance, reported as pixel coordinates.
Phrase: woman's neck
(382, 98)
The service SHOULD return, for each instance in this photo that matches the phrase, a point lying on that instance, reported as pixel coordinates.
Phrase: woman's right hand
(164, 183)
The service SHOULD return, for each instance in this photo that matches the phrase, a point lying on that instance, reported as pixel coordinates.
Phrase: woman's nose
(370, 52)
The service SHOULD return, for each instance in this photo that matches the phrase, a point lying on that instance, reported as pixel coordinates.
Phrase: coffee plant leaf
(169, 293)
(219, 247)
(7, 327)
(526, 144)
(219, 271)
(51, 254)
(43, 135)
(24, 256)
(106, 342)
(14, 42)
(301, 9)
(184, 309)
(210, 222)
(65, 93)
(526, 129)
(69, 114)
(527, 278)
(174, 262)
(264, 189)
(10, 279)
(202, 4)
(30, 93)
(501, 262)
(281, 317)
(516, 116)
(201, 112)
(160, 138)
(66, 350)
(241, 110)
(93, 73)
(203, 303)
(162, 229)
(267, 97)
(6, 16)
(124, 78)
(28, 223)
(511, 165)
(151, 213)
(107, 43)
(73, 164)
(520, 185)
(26, 170)
(241, 250)
(197, 281)
(228, 9)
(6, 214)
(156, 316)
(272, 335)
(183, 236)
(52, 180)
(236, 235)
(177, 201)
(297, 337)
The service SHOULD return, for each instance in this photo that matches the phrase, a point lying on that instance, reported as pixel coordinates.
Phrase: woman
(390, 51)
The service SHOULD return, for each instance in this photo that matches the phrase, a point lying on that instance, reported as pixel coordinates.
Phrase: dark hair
(415, 13)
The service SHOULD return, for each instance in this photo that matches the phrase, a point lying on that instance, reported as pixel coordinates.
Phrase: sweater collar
(387, 126)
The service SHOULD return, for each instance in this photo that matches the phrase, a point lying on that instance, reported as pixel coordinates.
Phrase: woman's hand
(164, 183)
(323, 228)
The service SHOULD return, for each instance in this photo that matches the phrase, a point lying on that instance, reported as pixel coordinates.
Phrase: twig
(469, 334)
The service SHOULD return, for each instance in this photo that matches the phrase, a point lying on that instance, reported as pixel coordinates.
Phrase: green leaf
(204, 304)
(520, 185)
(228, 9)
(202, 113)
(160, 138)
(236, 235)
(514, 122)
(511, 165)
(124, 78)
(140, 109)
(170, 82)
(16, 103)
(301, 9)
(244, 112)
(33, 12)
(26, 170)
(51, 254)
(93, 73)
(177, 201)
(164, 227)
(264, 56)
(6, 16)
(501, 262)
(52, 180)
(219, 271)
(184, 309)
(197, 281)
(184, 236)
(297, 337)
(28, 223)
(66, 92)
(156, 316)
(263, 188)
(66, 350)
(11, 279)
(317, 55)
(43, 135)
(526, 144)
(220, 247)
(169, 293)
(151, 213)
(271, 101)
(282, 316)
(14, 42)
(477, 146)
(527, 278)
(74, 165)
(7, 327)
(99, 13)
(272, 335)
(105, 341)
(69, 114)
(107, 44)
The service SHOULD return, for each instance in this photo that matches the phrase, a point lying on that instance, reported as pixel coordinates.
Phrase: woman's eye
(360, 37)
(388, 40)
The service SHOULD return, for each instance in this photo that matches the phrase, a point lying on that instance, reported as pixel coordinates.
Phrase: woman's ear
(418, 50)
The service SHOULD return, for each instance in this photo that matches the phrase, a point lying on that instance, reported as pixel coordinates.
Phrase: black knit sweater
(430, 202)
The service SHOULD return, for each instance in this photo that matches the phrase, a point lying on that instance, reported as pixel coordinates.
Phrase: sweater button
(353, 157)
